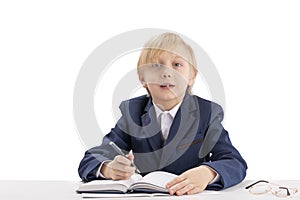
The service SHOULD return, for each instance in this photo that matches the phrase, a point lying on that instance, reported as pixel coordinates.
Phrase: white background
(255, 46)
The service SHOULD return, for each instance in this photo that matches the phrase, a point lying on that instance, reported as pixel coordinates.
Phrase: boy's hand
(119, 168)
(192, 181)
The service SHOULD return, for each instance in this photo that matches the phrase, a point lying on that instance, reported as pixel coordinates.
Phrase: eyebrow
(177, 56)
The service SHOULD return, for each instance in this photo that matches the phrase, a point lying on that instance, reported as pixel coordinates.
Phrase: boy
(169, 129)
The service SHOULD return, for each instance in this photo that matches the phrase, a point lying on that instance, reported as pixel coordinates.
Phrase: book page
(155, 180)
(117, 196)
(106, 185)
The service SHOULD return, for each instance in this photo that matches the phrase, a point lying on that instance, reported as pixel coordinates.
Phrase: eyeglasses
(262, 187)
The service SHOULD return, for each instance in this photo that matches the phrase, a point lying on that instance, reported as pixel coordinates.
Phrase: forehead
(169, 55)
(177, 52)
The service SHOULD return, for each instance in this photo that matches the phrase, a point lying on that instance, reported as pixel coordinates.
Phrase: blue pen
(120, 152)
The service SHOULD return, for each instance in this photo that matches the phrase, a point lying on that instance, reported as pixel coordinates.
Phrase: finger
(174, 189)
(117, 175)
(185, 189)
(123, 168)
(176, 180)
(125, 176)
(123, 160)
(195, 190)
(130, 156)
(120, 167)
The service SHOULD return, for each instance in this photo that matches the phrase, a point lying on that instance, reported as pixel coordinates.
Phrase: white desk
(65, 190)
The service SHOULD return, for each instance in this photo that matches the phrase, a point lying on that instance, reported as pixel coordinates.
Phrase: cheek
(153, 88)
(181, 78)
(151, 76)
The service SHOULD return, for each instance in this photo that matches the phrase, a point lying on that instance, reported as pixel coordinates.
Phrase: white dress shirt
(165, 119)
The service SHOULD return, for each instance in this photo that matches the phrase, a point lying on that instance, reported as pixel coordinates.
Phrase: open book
(154, 182)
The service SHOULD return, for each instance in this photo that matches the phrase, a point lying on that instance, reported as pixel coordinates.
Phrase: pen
(119, 151)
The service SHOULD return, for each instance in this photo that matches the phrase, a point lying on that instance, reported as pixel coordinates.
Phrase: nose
(166, 73)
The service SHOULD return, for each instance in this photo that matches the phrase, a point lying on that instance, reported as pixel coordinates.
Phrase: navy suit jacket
(196, 137)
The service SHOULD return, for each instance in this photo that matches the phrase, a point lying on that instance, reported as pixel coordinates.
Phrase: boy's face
(167, 79)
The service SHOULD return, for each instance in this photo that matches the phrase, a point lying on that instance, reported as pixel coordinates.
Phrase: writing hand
(191, 181)
(119, 168)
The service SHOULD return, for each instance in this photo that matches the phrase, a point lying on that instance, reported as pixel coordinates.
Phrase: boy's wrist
(210, 173)
(103, 170)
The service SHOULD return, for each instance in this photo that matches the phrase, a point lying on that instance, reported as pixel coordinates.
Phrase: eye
(156, 65)
(177, 65)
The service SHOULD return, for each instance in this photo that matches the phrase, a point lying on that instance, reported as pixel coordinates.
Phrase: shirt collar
(172, 112)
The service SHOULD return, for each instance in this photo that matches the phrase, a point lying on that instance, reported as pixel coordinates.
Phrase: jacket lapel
(151, 129)
(183, 130)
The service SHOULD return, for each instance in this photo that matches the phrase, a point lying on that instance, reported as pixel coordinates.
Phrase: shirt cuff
(98, 173)
(217, 177)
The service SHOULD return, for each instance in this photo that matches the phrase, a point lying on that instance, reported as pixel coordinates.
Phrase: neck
(167, 105)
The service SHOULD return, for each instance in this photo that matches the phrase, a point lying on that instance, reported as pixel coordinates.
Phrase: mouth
(167, 85)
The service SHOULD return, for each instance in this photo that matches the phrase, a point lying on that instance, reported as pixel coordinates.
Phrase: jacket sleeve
(95, 156)
(223, 157)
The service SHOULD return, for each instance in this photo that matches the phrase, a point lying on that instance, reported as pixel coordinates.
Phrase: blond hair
(162, 43)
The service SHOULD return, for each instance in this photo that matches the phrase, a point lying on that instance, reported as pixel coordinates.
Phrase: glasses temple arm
(260, 181)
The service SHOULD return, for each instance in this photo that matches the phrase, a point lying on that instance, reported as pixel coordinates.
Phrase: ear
(192, 78)
(143, 82)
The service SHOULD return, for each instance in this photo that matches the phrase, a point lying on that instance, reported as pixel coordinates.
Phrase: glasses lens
(285, 192)
(260, 188)
(281, 193)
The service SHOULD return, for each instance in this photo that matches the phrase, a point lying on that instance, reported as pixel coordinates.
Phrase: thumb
(130, 156)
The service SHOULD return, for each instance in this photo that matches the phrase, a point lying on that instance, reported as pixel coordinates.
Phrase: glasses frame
(289, 191)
